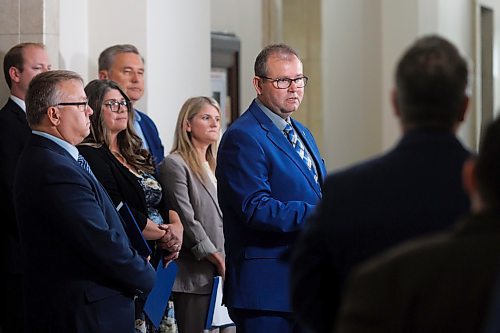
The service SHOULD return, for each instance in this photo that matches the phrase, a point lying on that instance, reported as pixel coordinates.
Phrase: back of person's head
(43, 93)
(107, 57)
(182, 138)
(487, 169)
(281, 50)
(431, 83)
(15, 58)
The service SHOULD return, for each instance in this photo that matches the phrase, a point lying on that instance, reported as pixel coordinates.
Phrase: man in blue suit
(123, 64)
(80, 272)
(269, 174)
(414, 189)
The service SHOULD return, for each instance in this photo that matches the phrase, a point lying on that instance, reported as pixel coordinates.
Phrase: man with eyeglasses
(21, 63)
(123, 64)
(269, 174)
(80, 274)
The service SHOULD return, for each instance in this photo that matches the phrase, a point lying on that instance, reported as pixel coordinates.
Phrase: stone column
(29, 21)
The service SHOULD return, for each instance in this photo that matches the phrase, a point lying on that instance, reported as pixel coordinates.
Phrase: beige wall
(351, 81)
(359, 42)
(243, 18)
(28, 21)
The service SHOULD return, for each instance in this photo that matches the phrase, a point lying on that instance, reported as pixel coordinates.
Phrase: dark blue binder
(211, 307)
(133, 231)
(217, 314)
(157, 300)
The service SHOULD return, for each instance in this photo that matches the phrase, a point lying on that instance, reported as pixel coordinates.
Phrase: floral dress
(153, 192)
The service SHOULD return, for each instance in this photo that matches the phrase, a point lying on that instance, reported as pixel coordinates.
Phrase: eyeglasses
(114, 106)
(285, 83)
(82, 106)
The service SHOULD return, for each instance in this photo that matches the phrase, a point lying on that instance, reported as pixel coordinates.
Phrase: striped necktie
(83, 163)
(301, 150)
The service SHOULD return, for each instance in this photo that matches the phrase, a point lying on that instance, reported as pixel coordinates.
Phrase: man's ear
(257, 85)
(54, 115)
(103, 75)
(469, 176)
(465, 107)
(394, 102)
(14, 74)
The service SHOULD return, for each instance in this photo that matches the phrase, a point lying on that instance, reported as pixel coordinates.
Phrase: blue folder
(157, 300)
(133, 231)
(211, 307)
(217, 314)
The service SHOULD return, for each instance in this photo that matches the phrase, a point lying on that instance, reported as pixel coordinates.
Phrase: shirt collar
(72, 150)
(277, 120)
(19, 102)
(137, 115)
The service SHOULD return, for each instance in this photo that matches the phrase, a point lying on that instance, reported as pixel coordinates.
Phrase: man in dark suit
(440, 283)
(269, 172)
(123, 64)
(21, 63)
(80, 272)
(413, 189)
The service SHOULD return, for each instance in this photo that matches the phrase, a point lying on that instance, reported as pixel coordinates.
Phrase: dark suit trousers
(12, 304)
(251, 321)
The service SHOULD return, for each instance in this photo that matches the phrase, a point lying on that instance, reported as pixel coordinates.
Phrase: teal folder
(157, 300)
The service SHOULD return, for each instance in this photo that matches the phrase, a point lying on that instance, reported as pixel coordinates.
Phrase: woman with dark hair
(113, 151)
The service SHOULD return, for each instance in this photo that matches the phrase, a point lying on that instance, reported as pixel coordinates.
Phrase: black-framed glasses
(114, 105)
(285, 83)
(82, 106)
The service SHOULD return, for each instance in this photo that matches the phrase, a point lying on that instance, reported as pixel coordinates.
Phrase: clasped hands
(171, 241)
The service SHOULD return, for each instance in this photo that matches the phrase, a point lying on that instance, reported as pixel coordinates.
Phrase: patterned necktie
(83, 163)
(300, 149)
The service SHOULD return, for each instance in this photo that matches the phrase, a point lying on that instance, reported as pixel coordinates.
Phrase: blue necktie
(83, 163)
(300, 149)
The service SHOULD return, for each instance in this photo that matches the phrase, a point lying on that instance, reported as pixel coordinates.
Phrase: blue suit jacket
(80, 272)
(412, 190)
(152, 137)
(266, 193)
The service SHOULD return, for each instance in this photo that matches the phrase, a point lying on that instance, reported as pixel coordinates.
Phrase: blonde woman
(188, 175)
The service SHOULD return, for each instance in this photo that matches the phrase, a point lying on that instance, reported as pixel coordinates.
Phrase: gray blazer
(197, 205)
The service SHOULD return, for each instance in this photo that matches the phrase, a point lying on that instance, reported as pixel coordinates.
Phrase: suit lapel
(17, 112)
(279, 140)
(130, 178)
(49, 144)
(212, 192)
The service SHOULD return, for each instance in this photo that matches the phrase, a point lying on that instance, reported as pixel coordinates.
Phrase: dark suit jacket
(437, 284)
(152, 137)
(119, 182)
(81, 273)
(14, 132)
(266, 192)
(414, 189)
